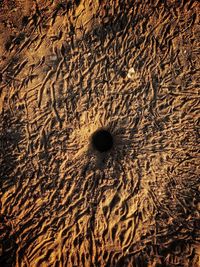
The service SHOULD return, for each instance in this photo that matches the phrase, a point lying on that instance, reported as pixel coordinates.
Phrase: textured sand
(68, 69)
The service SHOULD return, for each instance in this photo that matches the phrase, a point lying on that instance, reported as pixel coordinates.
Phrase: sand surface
(67, 69)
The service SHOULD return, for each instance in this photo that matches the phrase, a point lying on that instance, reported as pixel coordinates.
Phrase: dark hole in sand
(102, 140)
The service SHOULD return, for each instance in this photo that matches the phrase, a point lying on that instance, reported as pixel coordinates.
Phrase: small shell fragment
(132, 74)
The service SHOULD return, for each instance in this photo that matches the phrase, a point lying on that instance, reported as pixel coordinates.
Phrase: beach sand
(69, 69)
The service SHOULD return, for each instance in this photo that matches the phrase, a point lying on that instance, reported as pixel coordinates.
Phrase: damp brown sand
(67, 71)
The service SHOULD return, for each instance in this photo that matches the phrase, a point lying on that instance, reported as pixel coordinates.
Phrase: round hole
(102, 140)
